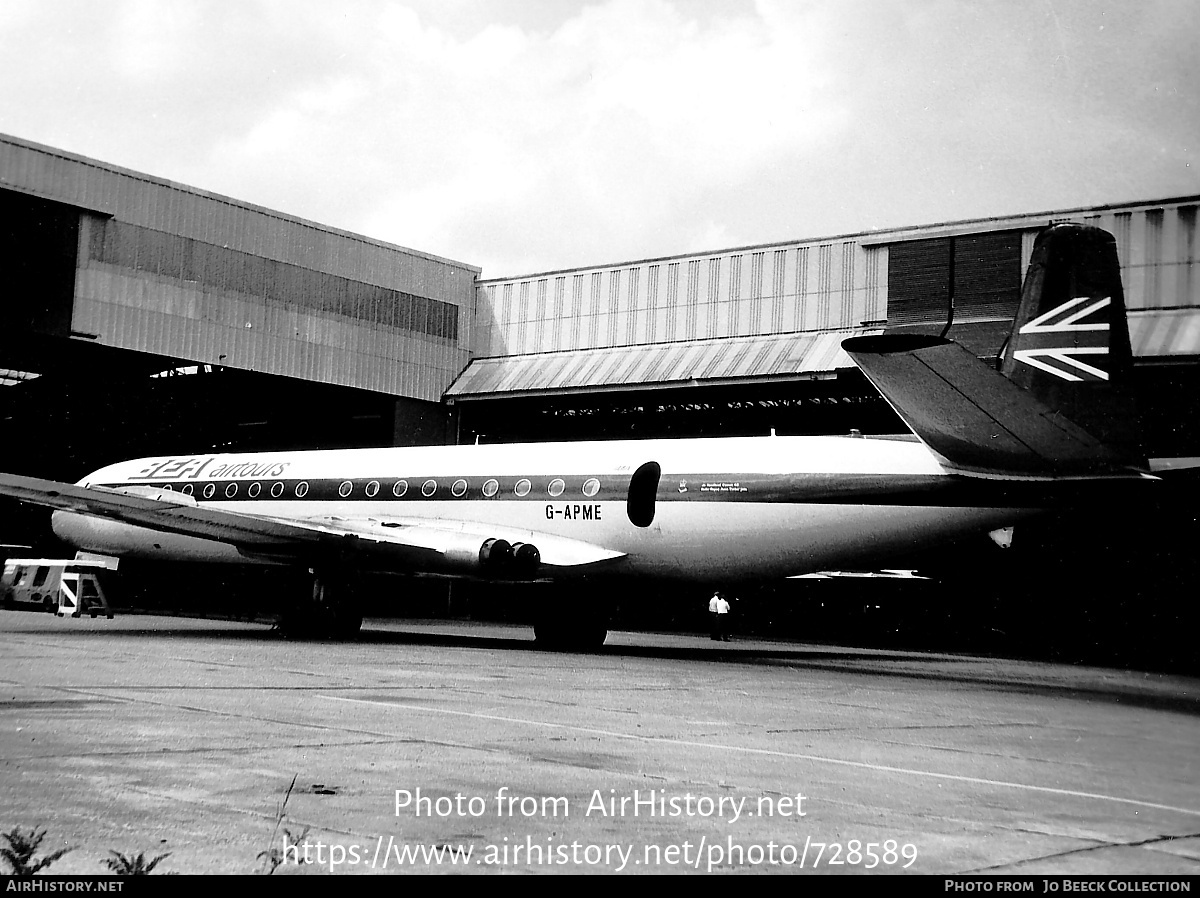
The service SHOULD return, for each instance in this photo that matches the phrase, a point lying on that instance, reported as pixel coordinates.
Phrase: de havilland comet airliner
(1050, 429)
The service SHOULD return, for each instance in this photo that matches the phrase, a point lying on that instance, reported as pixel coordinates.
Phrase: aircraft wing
(886, 574)
(399, 545)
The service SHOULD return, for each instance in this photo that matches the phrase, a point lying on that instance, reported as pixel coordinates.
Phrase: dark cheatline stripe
(816, 489)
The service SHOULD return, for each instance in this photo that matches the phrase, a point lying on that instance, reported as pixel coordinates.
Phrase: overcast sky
(530, 135)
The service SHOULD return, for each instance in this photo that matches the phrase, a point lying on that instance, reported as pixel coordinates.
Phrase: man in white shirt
(718, 612)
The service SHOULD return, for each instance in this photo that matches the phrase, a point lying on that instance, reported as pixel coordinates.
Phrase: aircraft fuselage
(700, 510)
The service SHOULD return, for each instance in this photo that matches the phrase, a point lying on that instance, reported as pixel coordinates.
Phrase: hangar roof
(101, 187)
(796, 356)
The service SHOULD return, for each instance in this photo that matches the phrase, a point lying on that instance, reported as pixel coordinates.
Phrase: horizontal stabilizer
(973, 416)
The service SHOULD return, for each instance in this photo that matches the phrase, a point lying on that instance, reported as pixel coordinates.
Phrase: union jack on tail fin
(1069, 344)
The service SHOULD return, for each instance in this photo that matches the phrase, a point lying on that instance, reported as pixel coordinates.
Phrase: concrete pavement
(456, 746)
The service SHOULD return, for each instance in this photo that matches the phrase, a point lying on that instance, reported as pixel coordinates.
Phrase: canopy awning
(1163, 334)
(729, 359)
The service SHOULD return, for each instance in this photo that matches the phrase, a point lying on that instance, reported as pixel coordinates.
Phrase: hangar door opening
(39, 242)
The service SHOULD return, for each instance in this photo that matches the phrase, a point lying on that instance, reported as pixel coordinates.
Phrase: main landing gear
(577, 624)
(331, 609)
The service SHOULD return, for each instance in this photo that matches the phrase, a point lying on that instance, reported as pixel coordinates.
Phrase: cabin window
(40, 577)
(210, 490)
(643, 487)
(231, 490)
(345, 489)
(428, 488)
(523, 487)
(301, 489)
(399, 488)
(187, 489)
(556, 487)
(491, 487)
(255, 489)
(591, 486)
(277, 489)
(460, 487)
(372, 488)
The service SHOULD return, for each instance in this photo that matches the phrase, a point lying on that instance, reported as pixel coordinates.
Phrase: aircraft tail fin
(1060, 405)
(1069, 344)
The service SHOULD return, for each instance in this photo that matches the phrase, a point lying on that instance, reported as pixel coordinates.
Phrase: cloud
(532, 136)
(595, 134)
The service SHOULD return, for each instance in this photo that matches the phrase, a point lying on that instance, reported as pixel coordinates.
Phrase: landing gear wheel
(329, 612)
(565, 628)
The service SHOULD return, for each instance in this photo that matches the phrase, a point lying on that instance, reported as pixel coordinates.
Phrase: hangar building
(746, 340)
(141, 316)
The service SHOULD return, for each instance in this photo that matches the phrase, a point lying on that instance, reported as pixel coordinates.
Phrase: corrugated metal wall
(821, 285)
(1161, 274)
(1157, 246)
(174, 271)
(738, 293)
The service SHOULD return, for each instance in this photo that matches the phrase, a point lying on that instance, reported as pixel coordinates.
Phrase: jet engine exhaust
(526, 556)
(498, 556)
(495, 553)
